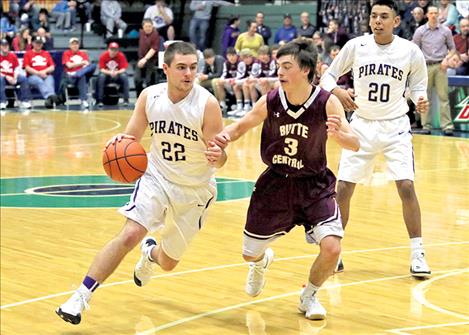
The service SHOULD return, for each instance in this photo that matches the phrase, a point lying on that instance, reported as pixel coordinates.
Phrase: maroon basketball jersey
(294, 143)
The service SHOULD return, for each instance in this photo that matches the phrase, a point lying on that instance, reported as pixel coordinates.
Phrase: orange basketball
(125, 161)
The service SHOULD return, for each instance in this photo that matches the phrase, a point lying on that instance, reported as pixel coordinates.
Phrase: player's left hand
(333, 123)
(213, 153)
(422, 105)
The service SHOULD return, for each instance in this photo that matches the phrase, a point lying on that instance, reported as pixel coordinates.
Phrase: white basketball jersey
(381, 74)
(177, 149)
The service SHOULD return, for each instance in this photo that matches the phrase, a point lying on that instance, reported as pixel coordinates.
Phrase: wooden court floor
(47, 244)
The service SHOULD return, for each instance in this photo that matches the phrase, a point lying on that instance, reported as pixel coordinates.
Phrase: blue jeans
(45, 86)
(24, 92)
(121, 79)
(197, 32)
(80, 80)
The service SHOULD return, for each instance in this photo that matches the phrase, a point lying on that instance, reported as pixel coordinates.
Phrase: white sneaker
(25, 105)
(3, 105)
(311, 307)
(71, 310)
(240, 113)
(84, 104)
(144, 267)
(418, 266)
(255, 281)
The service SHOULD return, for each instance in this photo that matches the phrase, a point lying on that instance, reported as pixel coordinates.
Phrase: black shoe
(125, 103)
(49, 103)
(448, 132)
(73, 319)
(339, 267)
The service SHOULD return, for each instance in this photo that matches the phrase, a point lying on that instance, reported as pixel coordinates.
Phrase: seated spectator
(333, 51)
(244, 71)
(336, 34)
(22, 41)
(39, 67)
(405, 10)
(46, 38)
(462, 44)
(9, 75)
(111, 17)
(424, 4)
(212, 70)
(148, 47)
(77, 70)
(448, 15)
(112, 67)
(306, 29)
(287, 32)
(452, 62)
(29, 11)
(250, 39)
(65, 14)
(162, 18)
(418, 19)
(42, 21)
(8, 25)
(230, 34)
(263, 75)
(227, 80)
(262, 29)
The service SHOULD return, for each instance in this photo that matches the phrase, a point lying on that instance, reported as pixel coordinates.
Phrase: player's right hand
(222, 139)
(118, 138)
(346, 99)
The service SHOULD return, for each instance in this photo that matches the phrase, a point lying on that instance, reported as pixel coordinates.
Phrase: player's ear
(397, 21)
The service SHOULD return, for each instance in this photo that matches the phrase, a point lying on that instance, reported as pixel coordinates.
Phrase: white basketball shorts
(177, 212)
(392, 138)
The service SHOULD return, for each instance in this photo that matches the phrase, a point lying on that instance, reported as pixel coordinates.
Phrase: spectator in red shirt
(112, 67)
(77, 69)
(39, 66)
(9, 75)
(148, 47)
(462, 43)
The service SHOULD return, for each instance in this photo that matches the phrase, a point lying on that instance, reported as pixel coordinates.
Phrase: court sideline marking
(224, 266)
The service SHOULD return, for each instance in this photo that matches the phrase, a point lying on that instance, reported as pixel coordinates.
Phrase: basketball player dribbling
(298, 118)
(383, 66)
(178, 186)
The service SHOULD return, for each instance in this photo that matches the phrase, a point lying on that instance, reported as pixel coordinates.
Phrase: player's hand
(333, 123)
(422, 105)
(213, 153)
(118, 138)
(346, 99)
(222, 139)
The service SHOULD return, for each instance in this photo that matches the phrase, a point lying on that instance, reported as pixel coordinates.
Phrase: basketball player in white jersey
(383, 66)
(173, 195)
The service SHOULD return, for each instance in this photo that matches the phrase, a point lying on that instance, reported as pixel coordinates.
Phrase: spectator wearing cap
(39, 67)
(230, 34)
(77, 69)
(162, 17)
(262, 29)
(112, 67)
(287, 32)
(306, 29)
(250, 39)
(9, 75)
(148, 47)
(111, 17)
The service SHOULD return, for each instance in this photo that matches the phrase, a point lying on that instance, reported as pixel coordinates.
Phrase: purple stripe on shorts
(136, 190)
(127, 210)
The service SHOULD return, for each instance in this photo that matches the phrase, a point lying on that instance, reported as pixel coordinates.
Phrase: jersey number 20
(173, 153)
(378, 91)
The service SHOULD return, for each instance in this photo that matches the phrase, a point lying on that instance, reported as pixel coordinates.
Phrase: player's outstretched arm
(137, 124)
(338, 127)
(213, 124)
(237, 129)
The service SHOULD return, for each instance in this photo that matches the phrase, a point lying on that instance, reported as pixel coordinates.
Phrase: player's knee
(330, 247)
(130, 239)
(344, 189)
(406, 189)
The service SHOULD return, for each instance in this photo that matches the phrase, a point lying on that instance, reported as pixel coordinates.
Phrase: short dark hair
(304, 52)
(182, 48)
(231, 51)
(389, 3)
(147, 20)
(209, 53)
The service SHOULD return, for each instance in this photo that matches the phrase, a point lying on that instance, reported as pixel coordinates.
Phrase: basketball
(125, 161)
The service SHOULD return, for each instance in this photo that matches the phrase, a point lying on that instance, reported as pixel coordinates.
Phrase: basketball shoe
(418, 266)
(144, 267)
(311, 306)
(255, 281)
(71, 310)
(340, 266)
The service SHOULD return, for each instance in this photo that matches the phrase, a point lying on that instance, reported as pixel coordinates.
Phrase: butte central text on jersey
(293, 143)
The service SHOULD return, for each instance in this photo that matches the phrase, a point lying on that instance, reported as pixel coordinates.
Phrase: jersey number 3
(173, 153)
(292, 146)
(378, 91)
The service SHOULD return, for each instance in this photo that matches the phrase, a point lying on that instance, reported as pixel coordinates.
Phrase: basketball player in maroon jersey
(298, 119)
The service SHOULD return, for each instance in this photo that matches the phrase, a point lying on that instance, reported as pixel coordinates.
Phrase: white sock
(85, 292)
(416, 245)
(148, 251)
(310, 289)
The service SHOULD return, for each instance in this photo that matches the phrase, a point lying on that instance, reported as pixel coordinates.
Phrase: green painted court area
(96, 191)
